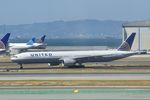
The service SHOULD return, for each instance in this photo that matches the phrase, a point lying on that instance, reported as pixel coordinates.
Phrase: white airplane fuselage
(70, 57)
(24, 45)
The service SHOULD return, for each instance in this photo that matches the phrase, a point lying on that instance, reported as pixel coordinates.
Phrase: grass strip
(75, 83)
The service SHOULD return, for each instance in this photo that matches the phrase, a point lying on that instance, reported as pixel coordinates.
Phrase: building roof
(145, 23)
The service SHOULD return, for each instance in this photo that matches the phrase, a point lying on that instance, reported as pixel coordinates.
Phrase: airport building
(142, 29)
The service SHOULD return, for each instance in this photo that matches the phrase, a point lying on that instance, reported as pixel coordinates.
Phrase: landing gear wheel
(21, 67)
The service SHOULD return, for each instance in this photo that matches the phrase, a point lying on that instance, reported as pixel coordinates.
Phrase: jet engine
(69, 62)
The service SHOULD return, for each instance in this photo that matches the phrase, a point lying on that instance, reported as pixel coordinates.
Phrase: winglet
(41, 40)
(127, 44)
(4, 41)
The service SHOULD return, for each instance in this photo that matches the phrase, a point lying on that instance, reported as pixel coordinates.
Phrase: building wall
(145, 38)
(142, 39)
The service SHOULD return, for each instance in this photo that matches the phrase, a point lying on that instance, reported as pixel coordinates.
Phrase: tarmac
(110, 71)
(74, 76)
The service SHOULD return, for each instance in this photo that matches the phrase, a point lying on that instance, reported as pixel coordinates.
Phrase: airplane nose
(14, 58)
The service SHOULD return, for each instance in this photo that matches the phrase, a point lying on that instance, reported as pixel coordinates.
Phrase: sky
(14, 12)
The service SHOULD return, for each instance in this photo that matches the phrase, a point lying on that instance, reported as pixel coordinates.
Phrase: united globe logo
(2, 46)
(125, 46)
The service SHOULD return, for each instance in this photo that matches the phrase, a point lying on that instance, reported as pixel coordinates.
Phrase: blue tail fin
(127, 44)
(4, 41)
(41, 40)
(30, 42)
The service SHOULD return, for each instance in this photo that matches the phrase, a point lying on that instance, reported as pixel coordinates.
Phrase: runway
(74, 76)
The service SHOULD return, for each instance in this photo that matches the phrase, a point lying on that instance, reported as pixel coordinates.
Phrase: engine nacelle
(69, 62)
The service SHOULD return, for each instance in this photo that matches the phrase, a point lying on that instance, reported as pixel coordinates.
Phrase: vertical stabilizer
(127, 44)
(4, 41)
(30, 42)
(41, 40)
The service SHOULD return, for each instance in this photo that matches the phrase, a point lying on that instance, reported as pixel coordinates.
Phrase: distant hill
(66, 29)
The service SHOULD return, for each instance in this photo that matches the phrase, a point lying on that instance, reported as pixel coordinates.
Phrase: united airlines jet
(73, 58)
(31, 44)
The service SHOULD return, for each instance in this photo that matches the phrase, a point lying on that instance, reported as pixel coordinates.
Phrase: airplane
(39, 43)
(31, 44)
(74, 58)
(4, 43)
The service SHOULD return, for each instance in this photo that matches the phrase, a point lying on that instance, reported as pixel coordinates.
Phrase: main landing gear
(21, 66)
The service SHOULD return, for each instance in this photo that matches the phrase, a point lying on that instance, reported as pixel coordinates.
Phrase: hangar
(142, 29)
